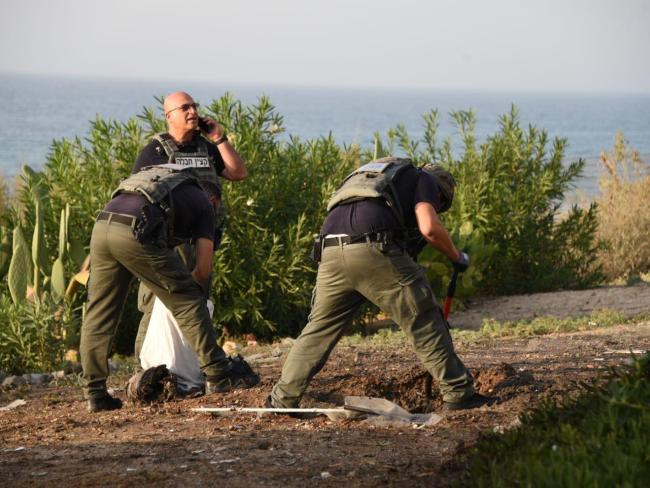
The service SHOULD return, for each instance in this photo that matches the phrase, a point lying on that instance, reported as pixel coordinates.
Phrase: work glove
(463, 262)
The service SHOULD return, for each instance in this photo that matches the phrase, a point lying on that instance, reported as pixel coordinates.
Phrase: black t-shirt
(374, 215)
(153, 154)
(193, 212)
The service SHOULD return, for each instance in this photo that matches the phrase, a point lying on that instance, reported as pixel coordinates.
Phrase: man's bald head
(182, 117)
(176, 99)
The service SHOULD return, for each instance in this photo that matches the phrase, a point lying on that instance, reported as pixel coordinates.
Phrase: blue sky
(500, 45)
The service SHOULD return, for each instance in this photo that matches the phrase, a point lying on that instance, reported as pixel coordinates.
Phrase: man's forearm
(434, 232)
(439, 238)
(235, 167)
(203, 268)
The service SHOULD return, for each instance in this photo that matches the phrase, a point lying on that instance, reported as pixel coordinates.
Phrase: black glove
(463, 262)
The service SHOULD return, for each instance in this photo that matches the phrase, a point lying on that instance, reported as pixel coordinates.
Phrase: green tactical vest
(373, 180)
(156, 184)
(199, 161)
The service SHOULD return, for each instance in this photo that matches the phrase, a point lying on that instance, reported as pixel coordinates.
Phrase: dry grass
(624, 213)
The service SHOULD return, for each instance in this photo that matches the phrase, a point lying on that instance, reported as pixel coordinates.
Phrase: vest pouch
(151, 227)
(317, 249)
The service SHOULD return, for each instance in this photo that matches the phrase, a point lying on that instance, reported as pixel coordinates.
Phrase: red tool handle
(451, 290)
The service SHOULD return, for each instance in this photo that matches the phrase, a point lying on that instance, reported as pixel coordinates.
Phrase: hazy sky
(549, 45)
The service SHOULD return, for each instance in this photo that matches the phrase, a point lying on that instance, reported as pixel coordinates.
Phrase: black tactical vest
(156, 183)
(376, 180)
(199, 161)
(373, 180)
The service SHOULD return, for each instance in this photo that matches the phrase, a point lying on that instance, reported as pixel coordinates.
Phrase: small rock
(325, 475)
(72, 355)
(40, 378)
(58, 375)
(14, 381)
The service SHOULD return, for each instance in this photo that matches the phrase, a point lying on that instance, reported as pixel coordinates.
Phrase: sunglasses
(185, 107)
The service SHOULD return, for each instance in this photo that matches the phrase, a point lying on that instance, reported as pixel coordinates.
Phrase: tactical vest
(376, 180)
(373, 180)
(156, 183)
(199, 161)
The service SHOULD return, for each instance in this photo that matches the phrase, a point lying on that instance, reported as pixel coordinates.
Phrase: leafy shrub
(506, 207)
(263, 274)
(35, 335)
(505, 212)
(624, 213)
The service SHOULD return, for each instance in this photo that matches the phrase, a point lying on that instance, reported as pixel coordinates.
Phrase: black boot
(106, 402)
(239, 376)
(475, 401)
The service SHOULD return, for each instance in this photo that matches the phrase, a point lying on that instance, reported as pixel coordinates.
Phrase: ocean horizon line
(249, 85)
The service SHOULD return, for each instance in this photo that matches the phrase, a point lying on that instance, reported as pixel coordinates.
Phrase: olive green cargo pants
(115, 258)
(349, 274)
(187, 254)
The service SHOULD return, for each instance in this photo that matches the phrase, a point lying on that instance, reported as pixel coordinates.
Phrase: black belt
(344, 240)
(115, 217)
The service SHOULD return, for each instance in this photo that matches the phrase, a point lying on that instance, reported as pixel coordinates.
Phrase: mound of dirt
(502, 380)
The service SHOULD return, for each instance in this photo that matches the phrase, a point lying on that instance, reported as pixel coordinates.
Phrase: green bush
(507, 206)
(505, 213)
(263, 274)
(600, 438)
(34, 336)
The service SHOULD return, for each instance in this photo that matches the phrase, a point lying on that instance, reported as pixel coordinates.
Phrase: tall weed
(624, 212)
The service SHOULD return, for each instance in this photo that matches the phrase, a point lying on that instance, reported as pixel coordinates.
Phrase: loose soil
(53, 440)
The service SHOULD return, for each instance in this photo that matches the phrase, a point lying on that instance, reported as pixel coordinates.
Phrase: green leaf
(466, 229)
(19, 268)
(57, 284)
(77, 251)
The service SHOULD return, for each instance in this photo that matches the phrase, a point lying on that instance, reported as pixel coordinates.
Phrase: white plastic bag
(165, 344)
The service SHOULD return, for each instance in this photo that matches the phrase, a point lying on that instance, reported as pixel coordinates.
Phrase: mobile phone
(204, 125)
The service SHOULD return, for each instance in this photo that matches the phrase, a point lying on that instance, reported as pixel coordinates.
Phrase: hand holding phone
(204, 125)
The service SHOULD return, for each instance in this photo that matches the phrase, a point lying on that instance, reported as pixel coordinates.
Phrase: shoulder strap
(167, 144)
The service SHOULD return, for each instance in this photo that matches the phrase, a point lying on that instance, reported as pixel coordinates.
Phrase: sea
(35, 110)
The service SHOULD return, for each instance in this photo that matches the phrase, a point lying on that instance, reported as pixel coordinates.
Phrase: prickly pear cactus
(5, 253)
(57, 280)
(39, 257)
(19, 268)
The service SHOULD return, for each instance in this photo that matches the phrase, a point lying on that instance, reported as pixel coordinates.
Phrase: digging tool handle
(451, 290)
